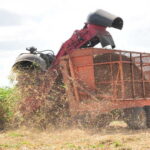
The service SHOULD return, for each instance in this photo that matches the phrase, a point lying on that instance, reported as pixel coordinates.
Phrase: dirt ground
(116, 136)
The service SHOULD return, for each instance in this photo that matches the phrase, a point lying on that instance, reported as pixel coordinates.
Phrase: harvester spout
(104, 18)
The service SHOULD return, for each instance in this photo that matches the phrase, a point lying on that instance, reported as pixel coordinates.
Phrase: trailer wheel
(1, 125)
(82, 120)
(147, 111)
(102, 120)
(135, 118)
(88, 121)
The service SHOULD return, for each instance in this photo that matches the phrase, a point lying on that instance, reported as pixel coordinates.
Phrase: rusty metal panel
(84, 71)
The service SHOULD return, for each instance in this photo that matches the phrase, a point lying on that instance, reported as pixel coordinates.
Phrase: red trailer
(101, 80)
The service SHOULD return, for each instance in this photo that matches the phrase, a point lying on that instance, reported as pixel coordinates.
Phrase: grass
(14, 134)
(110, 138)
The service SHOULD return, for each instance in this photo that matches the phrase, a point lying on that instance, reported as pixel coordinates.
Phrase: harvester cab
(93, 32)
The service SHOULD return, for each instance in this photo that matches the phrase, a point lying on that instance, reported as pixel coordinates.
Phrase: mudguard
(27, 60)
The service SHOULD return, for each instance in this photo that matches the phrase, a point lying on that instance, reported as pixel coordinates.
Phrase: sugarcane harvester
(93, 32)
(125, 82)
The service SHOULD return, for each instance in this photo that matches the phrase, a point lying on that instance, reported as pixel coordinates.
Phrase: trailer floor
(114, 137)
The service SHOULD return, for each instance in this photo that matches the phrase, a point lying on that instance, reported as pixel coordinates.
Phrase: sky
(47, 24)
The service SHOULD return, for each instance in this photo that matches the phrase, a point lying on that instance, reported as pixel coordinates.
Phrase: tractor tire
(135, 118)
(147, 111)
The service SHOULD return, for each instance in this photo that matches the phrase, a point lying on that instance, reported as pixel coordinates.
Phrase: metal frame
(78, 73)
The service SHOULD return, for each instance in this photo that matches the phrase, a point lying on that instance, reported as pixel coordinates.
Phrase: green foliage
(8, 99)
